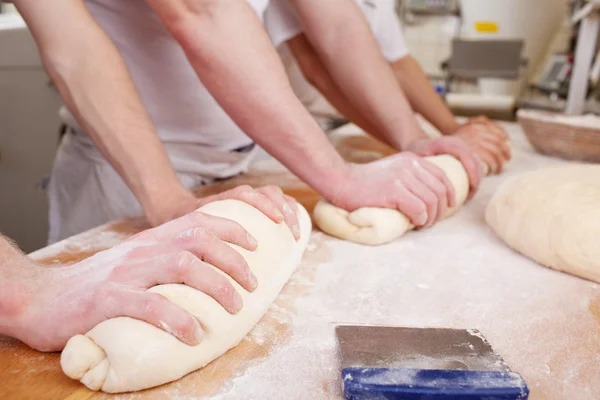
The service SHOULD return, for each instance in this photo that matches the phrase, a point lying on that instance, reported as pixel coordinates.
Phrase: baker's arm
(45, 306)
(360, 70)
(233, 56)
(422, 96)
(317, 75)
(96, 87)
(486, 139)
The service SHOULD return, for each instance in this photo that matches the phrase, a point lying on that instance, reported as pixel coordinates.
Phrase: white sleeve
(280, 22)
(388, 33)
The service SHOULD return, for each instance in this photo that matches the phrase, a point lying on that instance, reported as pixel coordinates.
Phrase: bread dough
(553, 217)
(375, 226)
(124, 354)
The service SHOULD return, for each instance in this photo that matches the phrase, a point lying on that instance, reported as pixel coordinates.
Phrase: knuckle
(201, 235)
(274, 189)
(240, 265)
(198, 217)
(431, 199)
(185, 260)
(152, 304)
(132, 255)
(440, 190)
(244, 189)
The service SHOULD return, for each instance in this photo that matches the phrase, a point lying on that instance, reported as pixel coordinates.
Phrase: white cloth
(196, 132)
(282, 25)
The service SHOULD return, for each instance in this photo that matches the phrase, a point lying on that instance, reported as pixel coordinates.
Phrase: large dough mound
(553, 217)
(375, 226)
(125, 354)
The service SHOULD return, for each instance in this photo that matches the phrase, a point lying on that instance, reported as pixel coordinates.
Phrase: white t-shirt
(282, 25)
(196, 132)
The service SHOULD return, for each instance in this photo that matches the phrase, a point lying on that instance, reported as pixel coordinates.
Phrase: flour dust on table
(552, 216)
(124, 354)
(376, 226)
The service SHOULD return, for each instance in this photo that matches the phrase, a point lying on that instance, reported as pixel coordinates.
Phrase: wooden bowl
(570, 137)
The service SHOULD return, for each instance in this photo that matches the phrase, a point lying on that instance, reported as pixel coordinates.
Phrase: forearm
(317, 75)
(17, 285)
(422, 96)
(361, 72)
(235, 60)
(96, 87)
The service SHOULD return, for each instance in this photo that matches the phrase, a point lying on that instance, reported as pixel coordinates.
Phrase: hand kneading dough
(374, 226)
(553, 217)
(125, 354)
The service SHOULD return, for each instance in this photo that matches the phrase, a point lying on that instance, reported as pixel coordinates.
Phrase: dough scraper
(384, 362)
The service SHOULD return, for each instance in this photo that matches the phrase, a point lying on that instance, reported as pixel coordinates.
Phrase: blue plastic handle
(413, 384)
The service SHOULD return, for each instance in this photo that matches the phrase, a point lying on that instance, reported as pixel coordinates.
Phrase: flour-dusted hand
(270, 200)
(455, 147)
(487, 140)
(44, 307)
(404, 181)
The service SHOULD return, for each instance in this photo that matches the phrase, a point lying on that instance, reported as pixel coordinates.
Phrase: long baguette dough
(125, 354)
(552, 216)
(375, 226)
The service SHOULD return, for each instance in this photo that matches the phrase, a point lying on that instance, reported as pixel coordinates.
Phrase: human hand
(404, 181)
(270, 200)
(70, 300)
(454, 147)
(487, 140)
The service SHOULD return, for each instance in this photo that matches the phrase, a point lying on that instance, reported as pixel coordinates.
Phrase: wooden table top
(545, 324)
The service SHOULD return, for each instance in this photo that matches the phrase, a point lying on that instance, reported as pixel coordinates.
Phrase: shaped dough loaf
(124, 354)
(552, 216)
(375, 226)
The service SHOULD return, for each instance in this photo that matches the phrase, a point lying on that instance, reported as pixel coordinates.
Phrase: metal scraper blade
(416, 348)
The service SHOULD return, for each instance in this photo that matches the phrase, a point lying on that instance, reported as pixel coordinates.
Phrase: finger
(205, 245)
(445, 185)
(493, 128)
(223, 228)
(262, 203)
(506, 152)
(479, 119)
(485, 138)
(436, 185)
(185, 267)
(478, 132)
(488, 159)
(157, 310)
(424, 193)
(293, 204)
(494, 153)
(410, 205)
(228, 231)
(498, 130)
(279, 199)
(471, 164)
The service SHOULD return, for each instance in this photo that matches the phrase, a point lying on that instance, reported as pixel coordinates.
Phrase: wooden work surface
(545, 324)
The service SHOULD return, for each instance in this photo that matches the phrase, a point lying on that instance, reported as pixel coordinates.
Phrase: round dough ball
(375, 226)
(553, 217)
